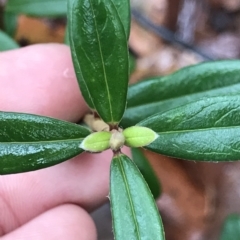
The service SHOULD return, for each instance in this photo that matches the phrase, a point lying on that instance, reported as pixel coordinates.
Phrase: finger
(40, 79)
(83, 181)
(64, 222)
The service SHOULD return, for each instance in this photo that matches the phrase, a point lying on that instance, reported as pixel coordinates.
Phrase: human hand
(50, 203)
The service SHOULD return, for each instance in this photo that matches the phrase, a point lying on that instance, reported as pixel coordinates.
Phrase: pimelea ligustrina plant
(205, 130)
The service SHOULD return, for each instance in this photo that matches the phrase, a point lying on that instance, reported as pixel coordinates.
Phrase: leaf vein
(226, 114)
(195, 130)
(129, 198)
(48, 141)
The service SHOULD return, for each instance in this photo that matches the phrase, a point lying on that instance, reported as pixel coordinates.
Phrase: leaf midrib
(197, 129)
(103, 66)
(47, 141)
(129, 198)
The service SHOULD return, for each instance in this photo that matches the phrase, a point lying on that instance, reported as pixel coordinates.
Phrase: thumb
(40, 79)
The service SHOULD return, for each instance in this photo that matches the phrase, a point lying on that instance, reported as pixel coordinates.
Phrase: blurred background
(166, 35)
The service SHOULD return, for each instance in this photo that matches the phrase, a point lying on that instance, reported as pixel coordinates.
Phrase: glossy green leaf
(134, 212)
(38, 8)
(231, 228)
(30, 142)
(123, 8)
(6, 42)
(147, 171)
(100, 56)
(10, 23)
(188, 84)
(206, 130)
(71, 27)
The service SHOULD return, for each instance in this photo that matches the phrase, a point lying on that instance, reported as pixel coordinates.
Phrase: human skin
(51, 203)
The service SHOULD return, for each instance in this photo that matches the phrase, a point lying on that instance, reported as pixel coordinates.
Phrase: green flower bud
(139, 136)
(96, 142)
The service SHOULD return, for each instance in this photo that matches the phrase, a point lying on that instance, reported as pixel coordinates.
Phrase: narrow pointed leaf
(206, 130)
(82, 84)
(123, 8)
(186, 85)
(38, 8)
(6, 42)
(134, 212)
(30, 142)
(231, 228)
(147, 171)
(100, 56)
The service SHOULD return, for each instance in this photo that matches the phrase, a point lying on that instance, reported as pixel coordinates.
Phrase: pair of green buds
(135, 136)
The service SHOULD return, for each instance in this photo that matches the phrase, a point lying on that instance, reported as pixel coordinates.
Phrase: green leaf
(147, 171)
(30, 142)
(10, 23)
(96, 142)
(188, 84)
(206, 130)
(231, 228)
(38, 8)
(136, 136)
(134, 212)
(100, 56)
(123, 8)
(7, 43)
